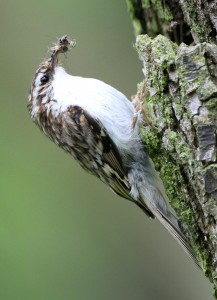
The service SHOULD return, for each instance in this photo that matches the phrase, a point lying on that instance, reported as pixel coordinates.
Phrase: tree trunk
(179, 91)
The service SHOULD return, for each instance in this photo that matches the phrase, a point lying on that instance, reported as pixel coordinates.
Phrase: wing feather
(96, 152)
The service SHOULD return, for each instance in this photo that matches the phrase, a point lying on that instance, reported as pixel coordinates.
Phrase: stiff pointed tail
(169, 221)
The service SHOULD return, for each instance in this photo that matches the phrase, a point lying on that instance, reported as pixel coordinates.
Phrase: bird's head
(41, 91)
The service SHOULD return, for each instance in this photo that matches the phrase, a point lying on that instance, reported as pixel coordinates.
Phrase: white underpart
(100, 100)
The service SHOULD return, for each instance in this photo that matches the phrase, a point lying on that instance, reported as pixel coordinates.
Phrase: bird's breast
(101, 101)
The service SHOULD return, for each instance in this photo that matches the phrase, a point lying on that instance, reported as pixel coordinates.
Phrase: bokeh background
(63, 234)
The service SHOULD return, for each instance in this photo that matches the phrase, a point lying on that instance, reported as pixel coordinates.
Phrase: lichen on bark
(179, 93)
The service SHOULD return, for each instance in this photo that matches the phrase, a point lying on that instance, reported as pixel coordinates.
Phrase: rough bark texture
(179, 93)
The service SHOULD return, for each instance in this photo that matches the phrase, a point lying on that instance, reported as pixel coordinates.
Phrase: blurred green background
(63, 234)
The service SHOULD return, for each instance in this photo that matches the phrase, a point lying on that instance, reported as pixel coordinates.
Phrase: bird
(100, 127)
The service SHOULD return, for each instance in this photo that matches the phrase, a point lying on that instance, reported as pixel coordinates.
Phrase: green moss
(170, 138)
(166, 145)
(169, 173)
(158, 54)
(164, 51)
(212, 105)
(160, 49)
(174, 143)
(160, 8)
(200, 27)
(150, 138)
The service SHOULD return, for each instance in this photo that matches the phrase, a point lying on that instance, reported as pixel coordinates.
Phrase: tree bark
(179, 91)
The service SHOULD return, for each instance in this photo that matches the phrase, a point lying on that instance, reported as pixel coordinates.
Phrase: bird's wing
(95, 150)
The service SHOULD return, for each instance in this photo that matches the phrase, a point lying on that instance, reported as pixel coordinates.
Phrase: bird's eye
(44, 78)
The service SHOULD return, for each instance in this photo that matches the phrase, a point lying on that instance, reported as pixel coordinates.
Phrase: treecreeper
(99, 127)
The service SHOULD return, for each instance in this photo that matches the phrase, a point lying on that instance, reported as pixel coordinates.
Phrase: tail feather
(171, 224)
(178, 236)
